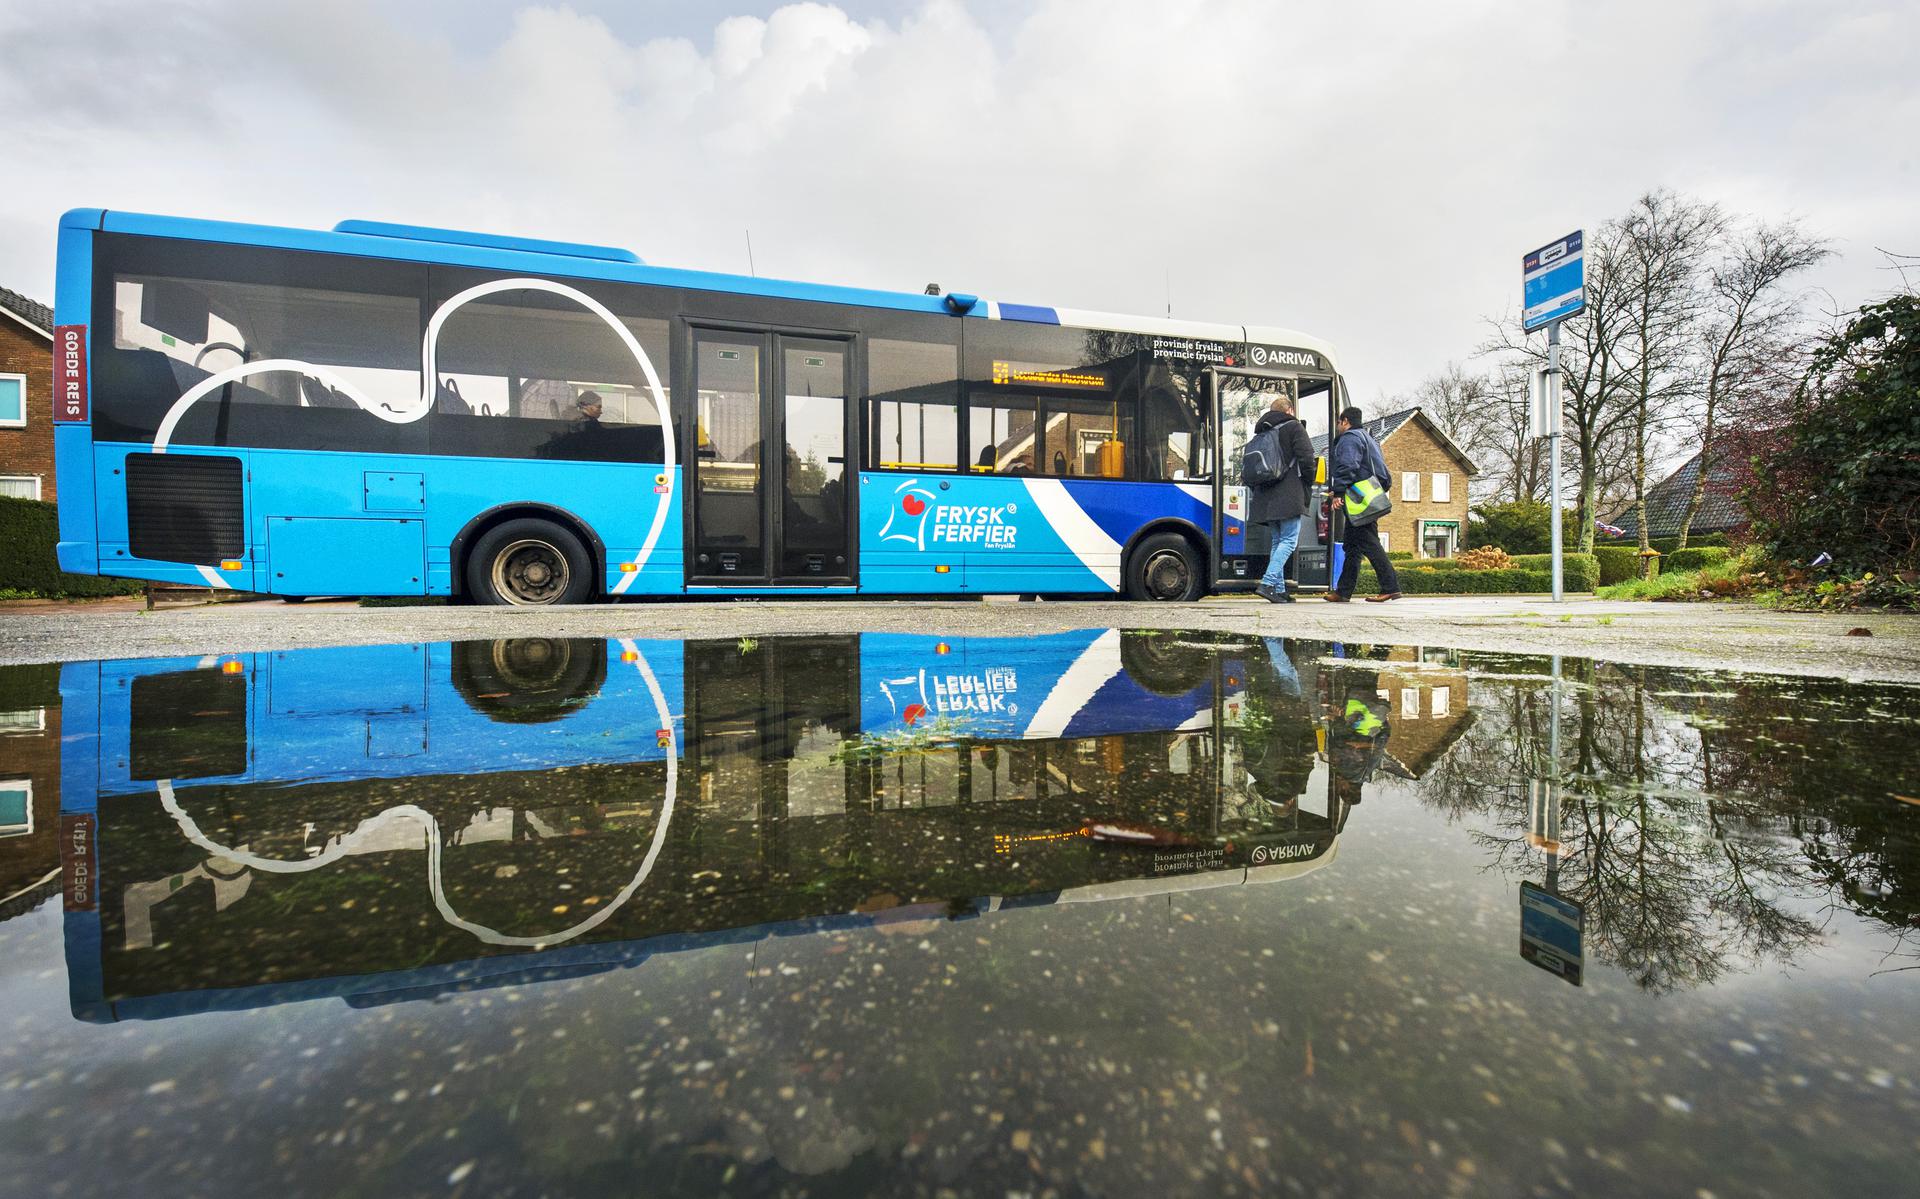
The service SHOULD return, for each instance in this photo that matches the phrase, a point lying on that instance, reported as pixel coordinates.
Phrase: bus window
(170, 332)
(537, 376)
(1059, 436)
(1174, 425)
(913, 391)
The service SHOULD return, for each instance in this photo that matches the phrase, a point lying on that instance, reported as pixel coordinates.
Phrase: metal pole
(1553, 777)
(1553, 455)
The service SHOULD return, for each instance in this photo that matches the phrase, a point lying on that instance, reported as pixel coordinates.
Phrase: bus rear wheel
(1165, 568)
(529, 563)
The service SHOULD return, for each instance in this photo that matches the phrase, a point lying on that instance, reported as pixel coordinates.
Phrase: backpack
(1265, 460)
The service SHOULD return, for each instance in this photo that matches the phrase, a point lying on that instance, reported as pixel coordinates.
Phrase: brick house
(1430, 473)
(29, 789)
(26, 397)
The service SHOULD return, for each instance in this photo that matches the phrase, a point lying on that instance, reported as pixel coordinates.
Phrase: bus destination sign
(70, 373)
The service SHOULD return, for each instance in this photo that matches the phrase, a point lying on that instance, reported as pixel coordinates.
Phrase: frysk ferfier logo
(916, 508)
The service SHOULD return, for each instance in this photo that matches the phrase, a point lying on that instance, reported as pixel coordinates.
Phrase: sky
(1369, 173)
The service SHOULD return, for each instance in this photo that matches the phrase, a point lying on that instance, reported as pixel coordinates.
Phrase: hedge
(1618, 563)
(1693, 558)
(29, 530)
(1532, 573)
(1582, 571)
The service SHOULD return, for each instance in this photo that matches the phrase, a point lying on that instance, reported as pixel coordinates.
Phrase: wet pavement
(1083, 913)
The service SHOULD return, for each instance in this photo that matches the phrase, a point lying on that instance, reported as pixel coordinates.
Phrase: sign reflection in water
(394, 821)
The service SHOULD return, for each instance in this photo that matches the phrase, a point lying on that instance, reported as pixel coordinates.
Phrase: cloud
(1369, 172)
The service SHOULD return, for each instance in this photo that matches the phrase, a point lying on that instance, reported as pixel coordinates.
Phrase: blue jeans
(1286, 535)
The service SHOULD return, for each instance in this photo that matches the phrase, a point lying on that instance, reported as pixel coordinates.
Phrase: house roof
(1720, 509)
(1383, 427)
(31, 313)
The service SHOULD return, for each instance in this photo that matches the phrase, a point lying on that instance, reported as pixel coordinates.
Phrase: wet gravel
(1734, 636)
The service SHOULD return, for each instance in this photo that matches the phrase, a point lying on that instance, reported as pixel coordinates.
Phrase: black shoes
(1272, 595)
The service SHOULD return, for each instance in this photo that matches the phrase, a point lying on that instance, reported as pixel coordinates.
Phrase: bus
(393, 410)
(476, 813)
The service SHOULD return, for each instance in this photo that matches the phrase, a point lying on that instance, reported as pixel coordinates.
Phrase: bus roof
(493, 252)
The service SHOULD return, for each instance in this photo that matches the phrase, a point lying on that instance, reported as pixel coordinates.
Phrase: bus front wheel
(1164, 567)
(528, 563)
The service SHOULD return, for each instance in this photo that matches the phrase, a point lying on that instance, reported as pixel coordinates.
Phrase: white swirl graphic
(409, 813)
(429, 382)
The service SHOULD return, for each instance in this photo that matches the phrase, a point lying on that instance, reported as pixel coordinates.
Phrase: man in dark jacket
(1356, 456)
(1281, 504)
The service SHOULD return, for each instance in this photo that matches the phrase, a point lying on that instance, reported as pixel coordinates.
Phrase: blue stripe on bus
(461, 237)
(513, 261)
(1121, 508)
(1028, 312)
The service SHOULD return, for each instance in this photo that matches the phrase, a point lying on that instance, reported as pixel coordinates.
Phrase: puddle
(1088, 913)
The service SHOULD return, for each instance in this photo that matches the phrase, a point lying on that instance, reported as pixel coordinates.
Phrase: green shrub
(1397, 555)
(1692, 558)
(1618, 563)
(29, 530)
(1581, 572)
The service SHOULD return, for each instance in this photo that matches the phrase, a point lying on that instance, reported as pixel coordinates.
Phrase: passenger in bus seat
(1281, 504)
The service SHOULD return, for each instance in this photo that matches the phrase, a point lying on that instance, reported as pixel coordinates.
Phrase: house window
(20, 487)
(1410, 702)
(16, 807)
(1410, 485)
(13, 401)
(23, 720)
(1441, 701)
(1442, 487)
(1439, 538)
(1385, 543)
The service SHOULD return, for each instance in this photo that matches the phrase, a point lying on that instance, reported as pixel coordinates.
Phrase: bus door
(1240, 549)
(771, 430)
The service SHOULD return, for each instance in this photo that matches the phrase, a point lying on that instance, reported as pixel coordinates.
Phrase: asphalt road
(1723, 635)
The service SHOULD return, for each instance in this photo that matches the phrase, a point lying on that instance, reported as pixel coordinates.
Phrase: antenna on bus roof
(750, 270)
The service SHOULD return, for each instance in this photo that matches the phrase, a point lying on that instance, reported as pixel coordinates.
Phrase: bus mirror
(175, 309)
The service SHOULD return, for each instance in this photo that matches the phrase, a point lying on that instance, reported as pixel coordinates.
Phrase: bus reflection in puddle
(393, 822)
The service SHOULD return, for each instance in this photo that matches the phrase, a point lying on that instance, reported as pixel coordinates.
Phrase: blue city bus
(393, 410)
(526, 808)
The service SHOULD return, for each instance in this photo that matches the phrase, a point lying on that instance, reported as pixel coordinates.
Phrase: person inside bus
(1282, 503)
(1356, 456)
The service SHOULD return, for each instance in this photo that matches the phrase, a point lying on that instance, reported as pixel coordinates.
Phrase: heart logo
(914, 712)
(913, 504)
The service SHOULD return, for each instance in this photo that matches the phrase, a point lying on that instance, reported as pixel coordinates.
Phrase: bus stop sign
(1553, 283)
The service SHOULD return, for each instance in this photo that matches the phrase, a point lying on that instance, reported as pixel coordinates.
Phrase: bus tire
(1165, 568)
(529, 562)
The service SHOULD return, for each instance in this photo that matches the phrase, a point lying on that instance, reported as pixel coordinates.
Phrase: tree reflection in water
(1707, 823)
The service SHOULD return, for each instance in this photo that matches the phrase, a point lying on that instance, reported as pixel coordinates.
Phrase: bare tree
(1747, 323)
(1663, 246)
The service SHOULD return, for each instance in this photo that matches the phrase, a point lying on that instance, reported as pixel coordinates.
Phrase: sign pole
(1553, 453)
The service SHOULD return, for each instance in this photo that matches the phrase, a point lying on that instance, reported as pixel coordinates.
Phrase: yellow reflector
(940, 570)
(627, 568)
(942, 648)
(231, 564)
(632, 655)
(231, 666)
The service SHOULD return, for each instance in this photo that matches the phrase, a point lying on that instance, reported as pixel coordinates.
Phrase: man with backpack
(1359, 480)
(1282, 451)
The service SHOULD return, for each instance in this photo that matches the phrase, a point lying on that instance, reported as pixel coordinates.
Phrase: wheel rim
(1168, 575)
(530, 572)
(531, 664)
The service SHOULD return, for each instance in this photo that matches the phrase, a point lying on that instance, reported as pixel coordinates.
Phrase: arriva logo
(914, 504)
(1264, 854)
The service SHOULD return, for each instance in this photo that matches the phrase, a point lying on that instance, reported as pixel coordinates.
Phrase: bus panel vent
(185, 508)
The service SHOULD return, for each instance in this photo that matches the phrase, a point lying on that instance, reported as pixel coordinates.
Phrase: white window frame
(23, 720)
(1442, 486)
(5, 423)
(34, 479)
(1410, 486)
(1453, 535)
(1384, 543)
(19, 830)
